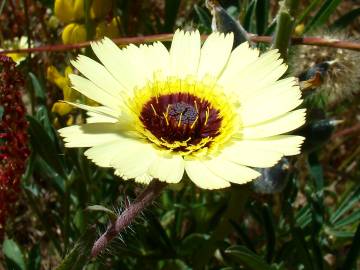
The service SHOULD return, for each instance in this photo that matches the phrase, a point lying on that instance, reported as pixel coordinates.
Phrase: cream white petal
(199, 173)
(288, 145)
(101, 110)
(273, 87)
(215, 54)
(185, 53)
(116, 62)
(158, 57)
(231, 171)
(108, 115)
(269, 105)
(103, 154)
(264, 152)
(134, 159)
(282, 124)
(89, 89)
(167, 168)
(99, 75)
(99, 118)
(132, 66)
(92, 134)
(245, 154)
(265, 70)
(240, 58)
(143, 179)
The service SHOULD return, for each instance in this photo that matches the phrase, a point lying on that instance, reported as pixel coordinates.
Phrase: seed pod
(339, 80)
(274, 179)
(316, 133)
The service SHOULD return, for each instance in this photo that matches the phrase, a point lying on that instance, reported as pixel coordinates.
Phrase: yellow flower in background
(100, 8)
(74, 10)
(63, 82)
(70, 95)
(72, 13)
(69, 10)
(74, 33)
(207, 111)
(110, 30)
(17, 43)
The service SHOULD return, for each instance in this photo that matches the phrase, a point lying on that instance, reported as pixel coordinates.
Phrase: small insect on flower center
(181, 121)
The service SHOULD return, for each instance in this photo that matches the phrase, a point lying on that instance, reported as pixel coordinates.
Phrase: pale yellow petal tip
(100, 43)
(143, 179)
(186, 33)
(211, 186)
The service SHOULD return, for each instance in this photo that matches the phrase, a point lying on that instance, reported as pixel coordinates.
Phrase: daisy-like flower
(213, 113)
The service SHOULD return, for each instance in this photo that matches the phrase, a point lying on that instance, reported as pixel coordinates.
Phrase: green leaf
(354, 251)
(176, 264)
(194, 242)
(12, 252)
(320, 18)
(340, 234)
(316, 198)
(352, 218)
(1, 112)
(261, 12)
(346, 205)
(248, 19)
(204, 17)
(302, 249)
(39, 91)
(34, 261)
(78, 257)
(43, 144)
(171, 11)
(346, 19)
(311, 7)
(248, 258)
(269, 231)
(100, 208)
(42, 115)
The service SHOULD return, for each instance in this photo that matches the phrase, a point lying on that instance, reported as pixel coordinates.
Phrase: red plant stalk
(315, 41)
(13, 137)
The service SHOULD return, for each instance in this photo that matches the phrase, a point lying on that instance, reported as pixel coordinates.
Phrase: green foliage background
(312, 224)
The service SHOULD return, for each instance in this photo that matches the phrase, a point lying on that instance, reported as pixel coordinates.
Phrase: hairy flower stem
(127, 217)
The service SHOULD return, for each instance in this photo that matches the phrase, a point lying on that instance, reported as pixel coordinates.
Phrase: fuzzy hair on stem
(150, 193)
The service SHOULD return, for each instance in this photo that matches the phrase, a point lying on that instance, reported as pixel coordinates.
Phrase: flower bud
(61, 108)
(74, 33)
(69, 10)
(110, 30)
(100, 8)
(78, 9)
(63, 10)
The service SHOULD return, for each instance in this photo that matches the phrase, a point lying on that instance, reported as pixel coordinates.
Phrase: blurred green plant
(310, 225)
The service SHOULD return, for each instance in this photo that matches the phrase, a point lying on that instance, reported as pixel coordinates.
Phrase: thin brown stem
(316, 41)
(127, 217)
(347, 131)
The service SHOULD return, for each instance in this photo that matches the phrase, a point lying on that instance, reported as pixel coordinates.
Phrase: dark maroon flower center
(181, 117)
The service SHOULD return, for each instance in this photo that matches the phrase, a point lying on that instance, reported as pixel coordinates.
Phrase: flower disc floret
(184, 115)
